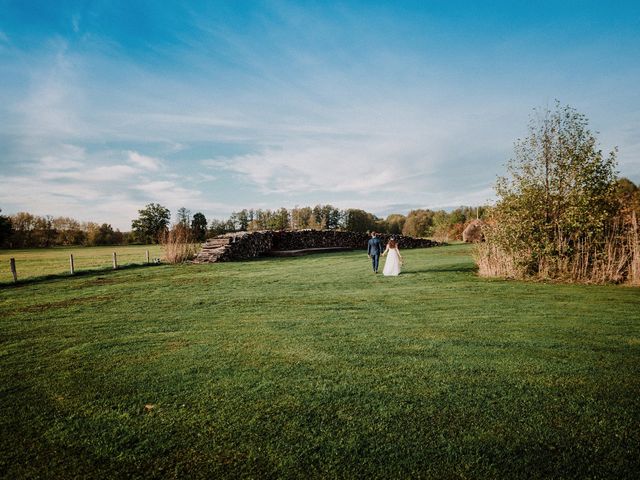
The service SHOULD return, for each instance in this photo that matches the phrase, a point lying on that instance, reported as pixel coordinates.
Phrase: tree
(395, 222)
(217, 227)
(5, 230)
(300, 218)
(105, 234)
(360, 221)
(23, 224)
(43, 231)
(68, 231)
(280, 220)
(152, 223)
(419, 223)
(628, 195)
(241, 220)
(199, 227)
(184, 216)
(558, 197)
(92, 235)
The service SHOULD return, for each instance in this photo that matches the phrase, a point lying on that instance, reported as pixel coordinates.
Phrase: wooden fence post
(147, 256)
(71, 264)
(12, 261)
(115, 261)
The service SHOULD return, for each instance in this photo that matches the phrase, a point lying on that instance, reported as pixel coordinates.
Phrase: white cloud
(144, 161)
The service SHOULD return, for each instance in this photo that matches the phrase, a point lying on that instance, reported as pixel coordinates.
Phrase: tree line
(438, 224)
(25, 230)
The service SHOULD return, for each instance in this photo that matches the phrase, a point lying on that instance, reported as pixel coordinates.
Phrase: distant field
(37, 262)
(313, 367)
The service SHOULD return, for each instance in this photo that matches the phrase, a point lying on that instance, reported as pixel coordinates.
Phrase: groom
(374, 250)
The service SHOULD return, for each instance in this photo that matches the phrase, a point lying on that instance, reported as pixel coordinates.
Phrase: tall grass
(613, 259)
(179, 245)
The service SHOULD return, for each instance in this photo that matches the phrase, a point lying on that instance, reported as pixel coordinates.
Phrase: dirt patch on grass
(100, 281)
(69, 302)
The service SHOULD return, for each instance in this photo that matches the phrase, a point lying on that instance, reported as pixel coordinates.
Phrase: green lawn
(313, 367)
(39, 262)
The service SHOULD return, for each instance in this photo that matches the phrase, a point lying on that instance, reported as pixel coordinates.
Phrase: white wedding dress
(392, 263)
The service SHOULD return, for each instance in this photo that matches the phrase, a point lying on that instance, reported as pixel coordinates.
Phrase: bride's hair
(392, 243)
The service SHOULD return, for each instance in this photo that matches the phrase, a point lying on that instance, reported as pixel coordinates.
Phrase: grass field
(40, 262)
(313, 367)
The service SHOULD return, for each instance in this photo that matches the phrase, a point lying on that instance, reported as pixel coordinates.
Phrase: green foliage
(5, 230)
(314, 368)
(628, 196)
(152, 223)
(322, 217)
(394, 224)
(218, 227)
(360, 221)
(242, 219)
(419, 223)
(559, 194)
(199, 227)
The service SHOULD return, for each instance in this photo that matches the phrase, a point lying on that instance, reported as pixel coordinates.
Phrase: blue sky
(217, 106)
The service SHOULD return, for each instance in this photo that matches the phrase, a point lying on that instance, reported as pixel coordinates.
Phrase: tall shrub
(557, 215)
(179, 245)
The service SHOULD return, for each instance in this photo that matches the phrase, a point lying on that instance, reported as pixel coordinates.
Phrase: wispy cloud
(144, 161)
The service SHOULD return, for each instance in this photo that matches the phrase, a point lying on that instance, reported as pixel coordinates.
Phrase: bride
(394, 259)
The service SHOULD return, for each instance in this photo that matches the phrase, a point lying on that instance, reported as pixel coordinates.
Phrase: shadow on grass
(456, 269)
(78, 274)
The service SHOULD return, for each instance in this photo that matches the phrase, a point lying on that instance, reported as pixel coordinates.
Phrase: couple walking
(394, 259)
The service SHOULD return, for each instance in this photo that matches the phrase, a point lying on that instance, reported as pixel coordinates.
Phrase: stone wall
(245, 245)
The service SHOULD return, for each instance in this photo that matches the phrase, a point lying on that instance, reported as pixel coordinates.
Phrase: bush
(179, 245)
(558, 216)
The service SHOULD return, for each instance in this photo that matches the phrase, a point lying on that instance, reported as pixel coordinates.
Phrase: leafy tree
(5, 230)
(419, 223)
(152, 223)
(23, 224)
(92, 230)
(628, 196)
(360, 221)
(43, 231)
(395, 222)
(301, 218)
(68, 231)
(106, 234)
(241, 220)
(281, 220)
(217, 227)
(558, 195)
(199, 227)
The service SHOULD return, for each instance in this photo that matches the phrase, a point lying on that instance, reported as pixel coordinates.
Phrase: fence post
(12, 261)
(147, 256)
(115, 261)
(71, 263)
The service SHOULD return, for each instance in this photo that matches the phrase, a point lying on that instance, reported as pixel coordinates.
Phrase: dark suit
(375, 249)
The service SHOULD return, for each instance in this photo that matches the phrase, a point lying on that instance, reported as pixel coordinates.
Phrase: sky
(215, 106)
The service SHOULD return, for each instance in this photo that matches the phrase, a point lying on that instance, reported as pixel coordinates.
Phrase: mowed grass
(40, 262)
(313, 367)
